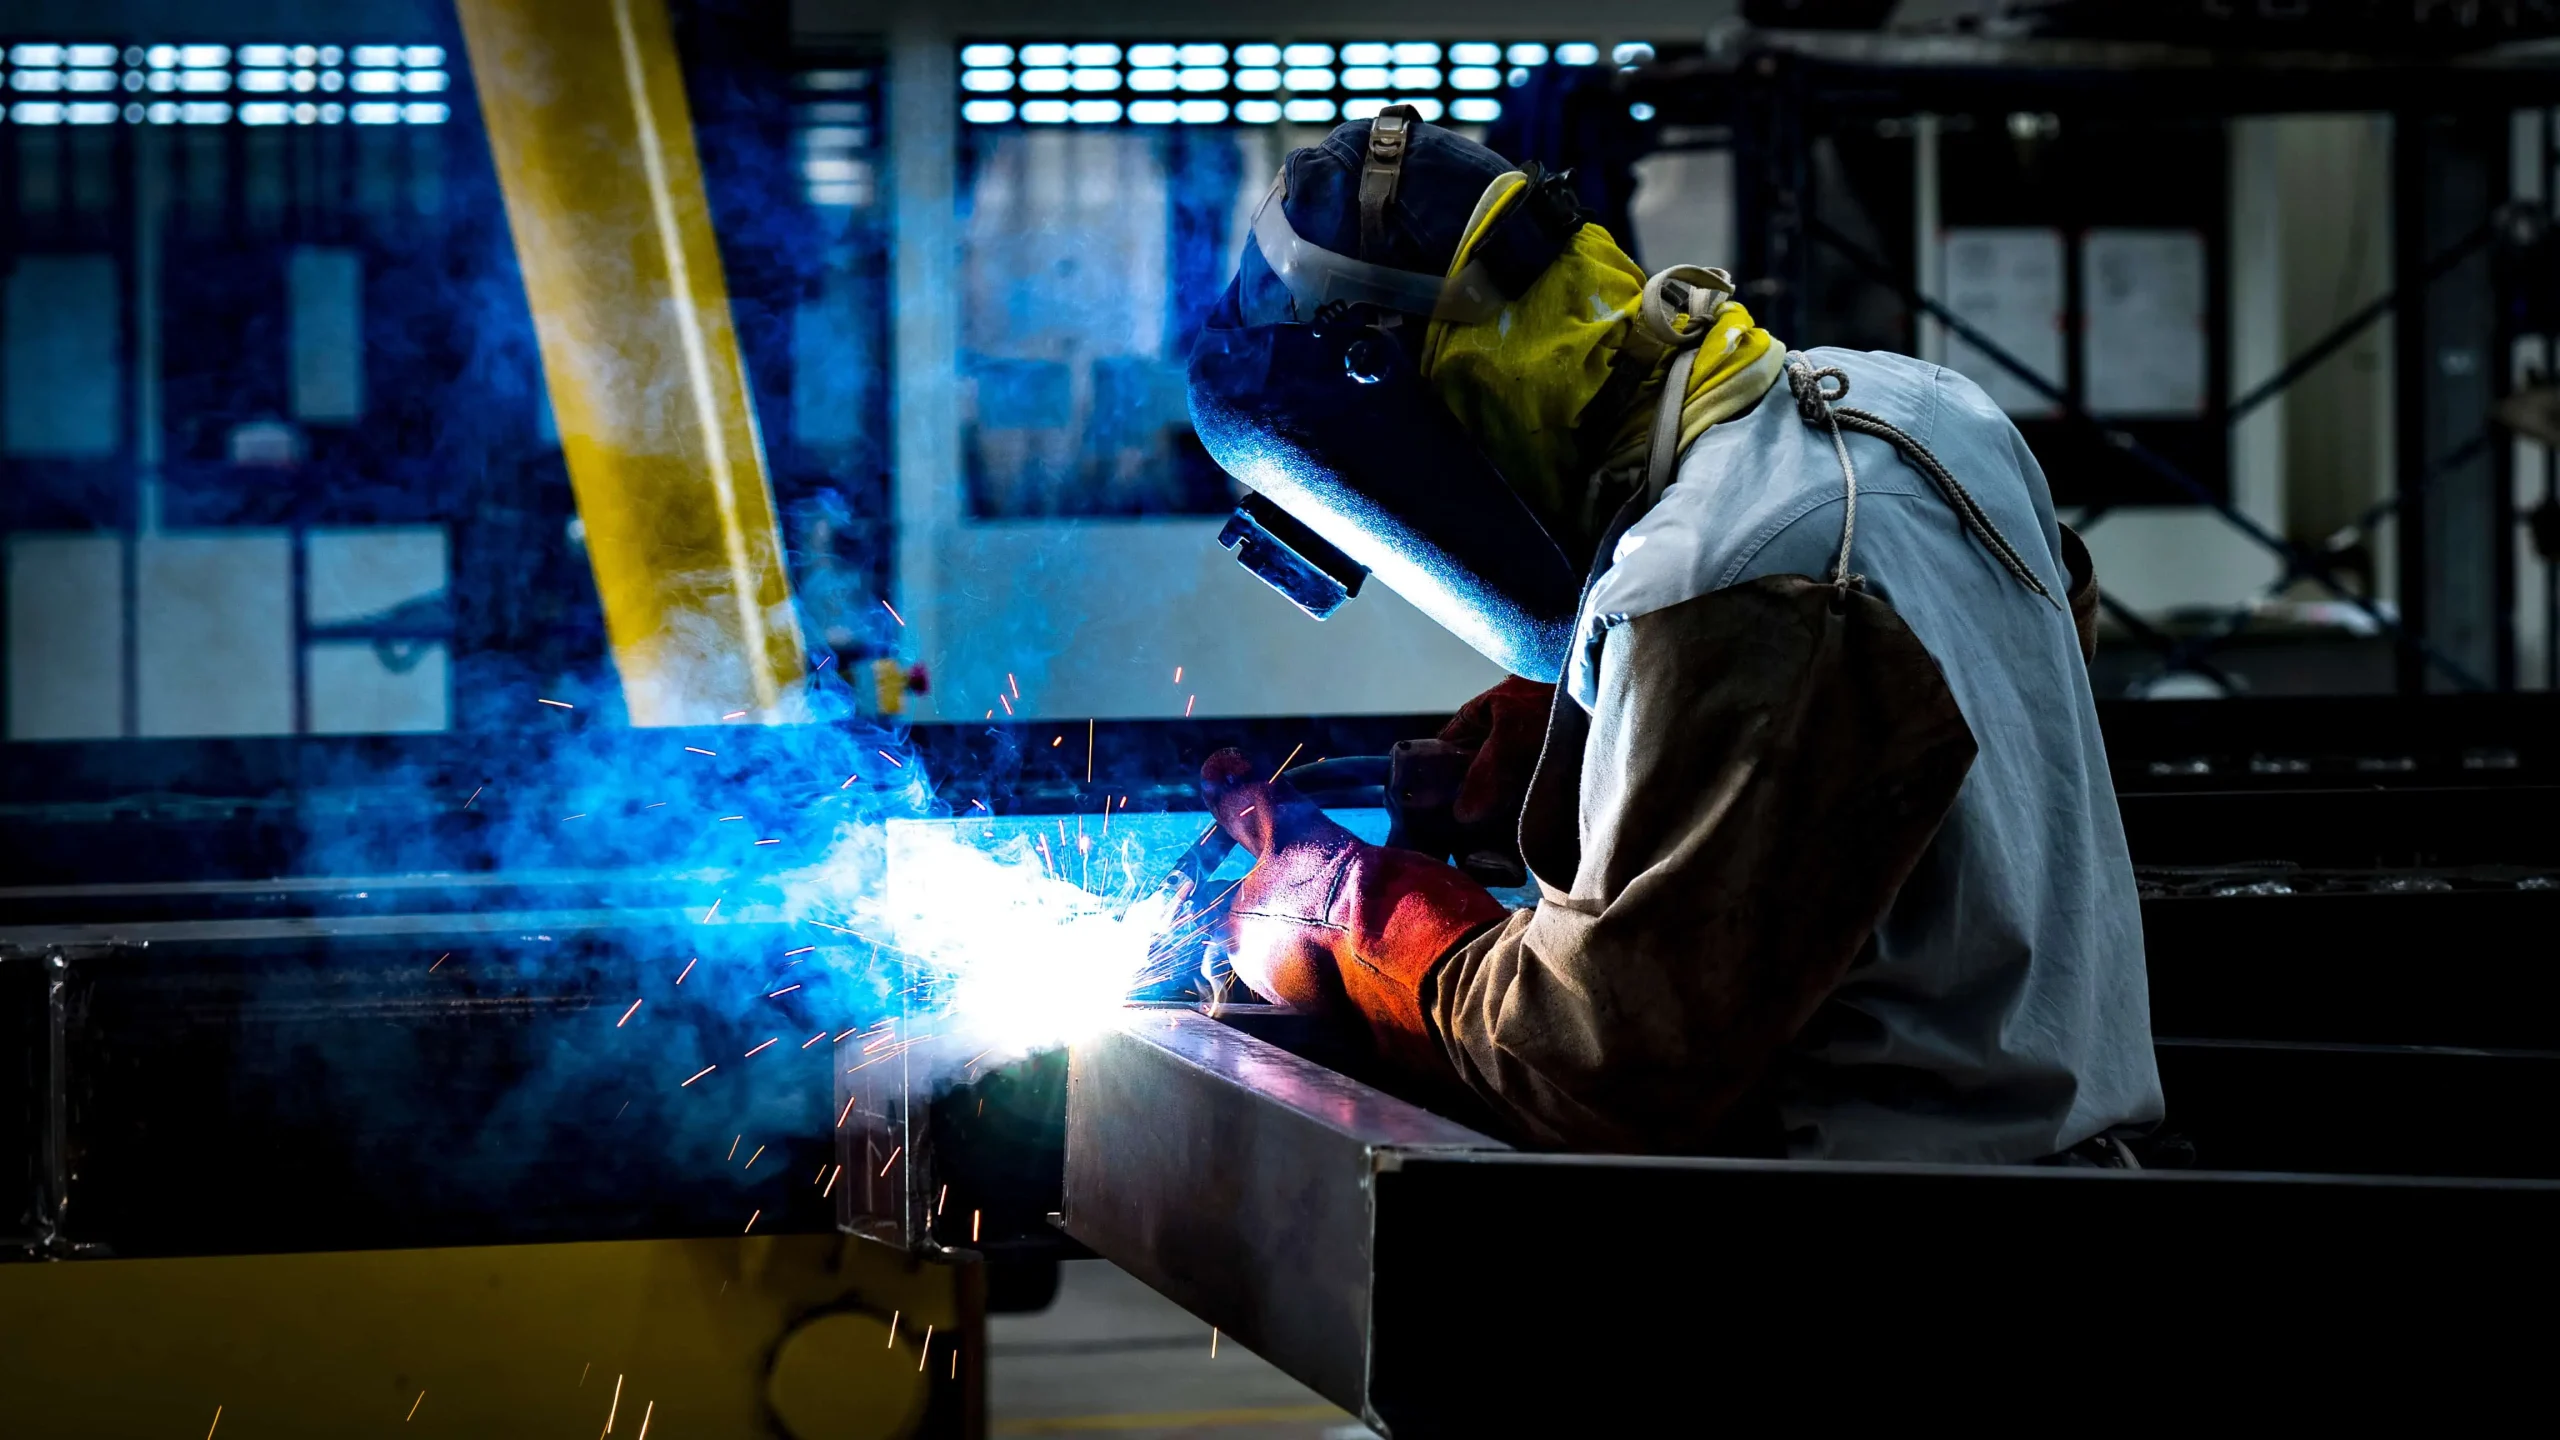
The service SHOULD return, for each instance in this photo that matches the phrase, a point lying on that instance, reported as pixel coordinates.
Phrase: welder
(1800, 750)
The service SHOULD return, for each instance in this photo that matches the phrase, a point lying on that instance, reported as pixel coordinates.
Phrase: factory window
(58, 370)
(324, 287)
(65, 635)
(1106, 191)
(1300, 82)
(98, 84)
(376, 615)
(1088, 258)
(213, 241)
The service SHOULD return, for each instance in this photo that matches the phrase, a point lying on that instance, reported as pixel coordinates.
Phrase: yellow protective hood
(1522, 381)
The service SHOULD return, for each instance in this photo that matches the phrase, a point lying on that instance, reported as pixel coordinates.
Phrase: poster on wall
(2142, 341)
(2007, 282)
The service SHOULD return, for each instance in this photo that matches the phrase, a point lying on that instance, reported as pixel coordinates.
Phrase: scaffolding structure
(2483, 273)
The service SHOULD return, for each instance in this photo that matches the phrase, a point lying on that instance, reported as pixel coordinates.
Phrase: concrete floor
(1113, 1357)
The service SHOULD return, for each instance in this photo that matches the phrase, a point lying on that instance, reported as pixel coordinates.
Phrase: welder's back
(2002, 1011)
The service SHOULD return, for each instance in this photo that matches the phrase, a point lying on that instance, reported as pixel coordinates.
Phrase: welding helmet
(1303, 387)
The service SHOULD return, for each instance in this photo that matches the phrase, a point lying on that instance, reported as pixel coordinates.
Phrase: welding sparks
(925, 1348)
(894, 615)
(1284, 765)
(217, 1422)
(1177, 674)
(848, 1111)
(1061, 740)
(698, 750)
(814, 1039)
(1013, 684)
(734, 1143)
(980, 805)
(752, 1159)
(557, 704)
(1088, 751)
(413, 1408)
(974, 1217)
(750, 1055)
(653, 1406)
(768, 842)
(725, 819)
(1024, 958)
(714, 910)
(1007, 704)
(893, 1329)
(617, 1405)
(698, 1074)
(803, 950)
(892, 759)
(474, 796)
(785, 990)
(627, 1014)
(1187, 704)
(688, 967)
(735, 715)
(751, 1221)
(440, 960)
(1213, 1342)
(938, 1199)
(848, 782)
(831, 1183)
(892, 1160)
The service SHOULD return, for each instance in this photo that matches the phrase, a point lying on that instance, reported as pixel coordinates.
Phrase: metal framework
(2480, 266)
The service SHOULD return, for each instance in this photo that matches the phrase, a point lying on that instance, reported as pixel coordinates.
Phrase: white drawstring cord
(1814, 403)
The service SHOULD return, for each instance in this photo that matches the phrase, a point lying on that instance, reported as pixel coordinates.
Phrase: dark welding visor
(1358, 467)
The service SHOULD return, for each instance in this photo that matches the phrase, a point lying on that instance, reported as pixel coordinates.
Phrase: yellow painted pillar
(587, 121)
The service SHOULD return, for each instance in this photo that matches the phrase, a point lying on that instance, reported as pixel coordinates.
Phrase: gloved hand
(1331, 924)
(1460, 794)
(1502, 731)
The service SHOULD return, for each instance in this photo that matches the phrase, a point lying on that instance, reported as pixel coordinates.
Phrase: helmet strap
(1390, 135)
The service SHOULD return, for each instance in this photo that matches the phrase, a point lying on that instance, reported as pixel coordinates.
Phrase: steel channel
(1237, 1179)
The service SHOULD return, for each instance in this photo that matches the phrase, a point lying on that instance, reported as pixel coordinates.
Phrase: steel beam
(1434, 1281)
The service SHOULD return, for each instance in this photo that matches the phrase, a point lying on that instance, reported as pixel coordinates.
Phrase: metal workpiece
(1237, 1178)
(1433, 1280)
(236, 1084)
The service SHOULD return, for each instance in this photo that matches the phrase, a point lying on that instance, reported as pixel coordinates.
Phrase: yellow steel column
(594, 147)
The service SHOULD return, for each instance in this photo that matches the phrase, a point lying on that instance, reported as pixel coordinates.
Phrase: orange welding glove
(1501, 732)
(1329, 923)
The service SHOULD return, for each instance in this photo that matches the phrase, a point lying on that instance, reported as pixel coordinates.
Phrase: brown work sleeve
(1714, 845)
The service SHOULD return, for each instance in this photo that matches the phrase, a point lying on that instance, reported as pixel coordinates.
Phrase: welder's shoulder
(1958, 422)
(1947, 414)
(1931, 403)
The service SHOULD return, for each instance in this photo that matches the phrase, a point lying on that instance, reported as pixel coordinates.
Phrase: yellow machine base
(787, 1335)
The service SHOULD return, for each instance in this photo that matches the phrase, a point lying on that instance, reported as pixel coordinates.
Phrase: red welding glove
(1501, 733)
(1329, 923)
